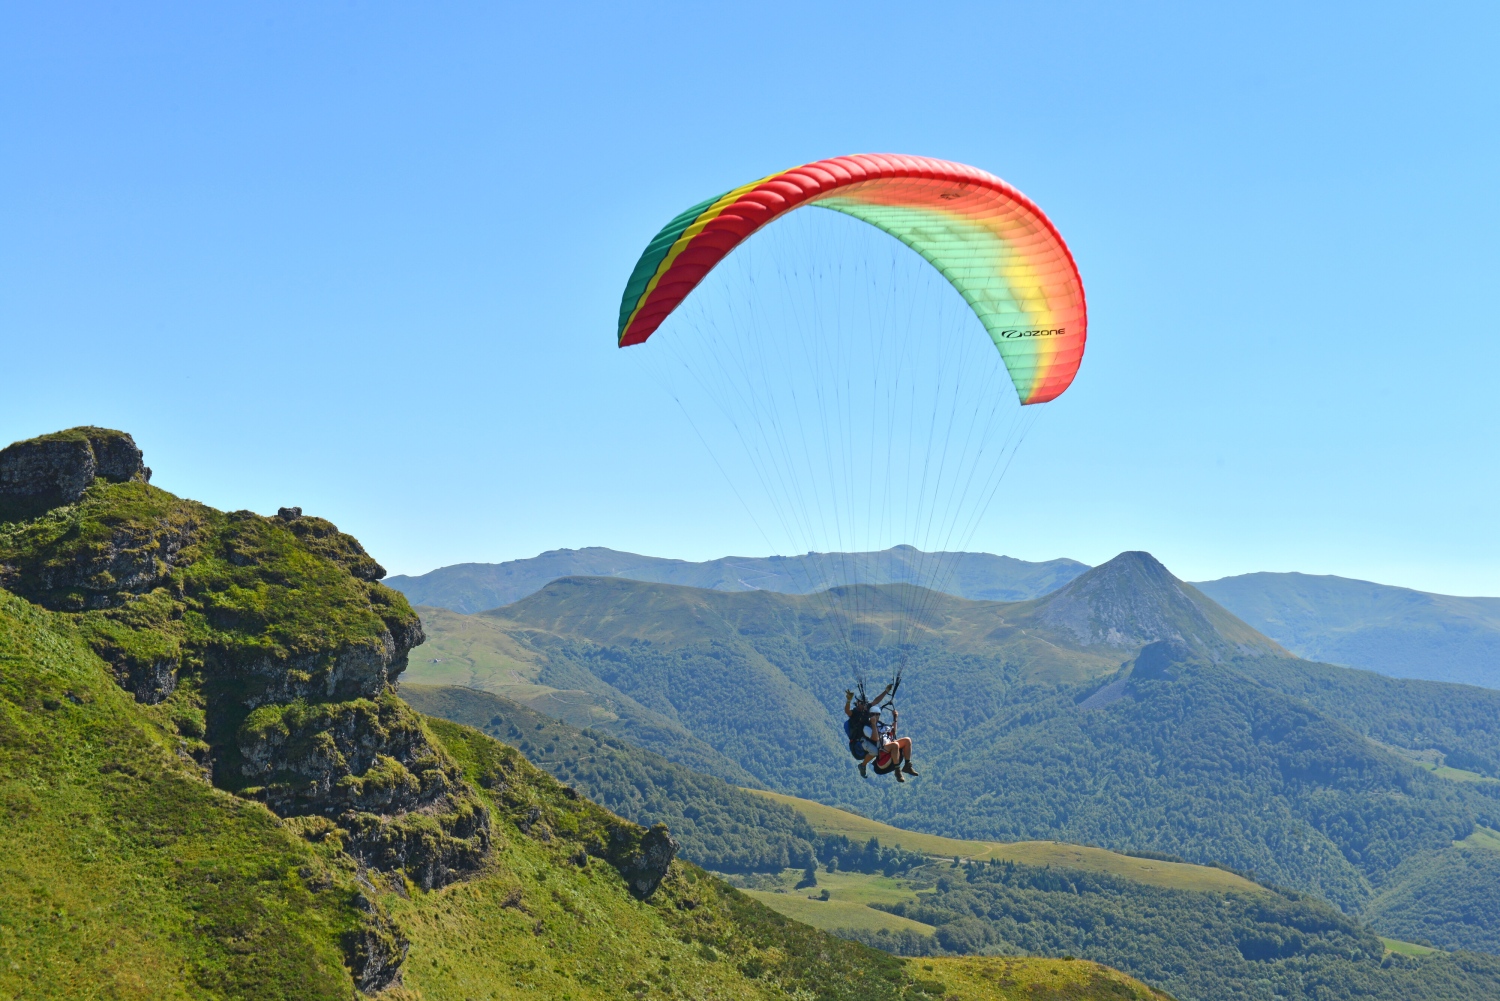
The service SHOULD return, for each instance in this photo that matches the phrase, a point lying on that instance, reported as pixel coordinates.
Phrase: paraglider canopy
(987, 239)
(836, 367)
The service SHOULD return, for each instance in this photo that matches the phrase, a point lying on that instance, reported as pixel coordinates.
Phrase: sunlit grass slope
(850, 895)
(123, 874)
(972, 978)
(1169, 875)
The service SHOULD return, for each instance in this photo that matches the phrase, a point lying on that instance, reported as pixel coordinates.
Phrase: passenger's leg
(906, 756)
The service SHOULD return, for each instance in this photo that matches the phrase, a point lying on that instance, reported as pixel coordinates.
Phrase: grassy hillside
(841, 902)
(125, 874)
(1153, 872)
(720, 826)
(1393, 630)
(475, 587)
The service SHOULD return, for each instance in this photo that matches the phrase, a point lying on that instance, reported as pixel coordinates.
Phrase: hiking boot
(908, 769)
(862, 773)
(900, 777)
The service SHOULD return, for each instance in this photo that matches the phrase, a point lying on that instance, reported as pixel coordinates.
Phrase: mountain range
(1125, 709)
(477, 587)
(1392, 630)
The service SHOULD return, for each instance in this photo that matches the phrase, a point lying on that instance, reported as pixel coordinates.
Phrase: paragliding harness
(854, 729)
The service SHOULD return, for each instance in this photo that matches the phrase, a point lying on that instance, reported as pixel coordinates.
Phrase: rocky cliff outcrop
(366, 764)
(271, 648)
(269, 640)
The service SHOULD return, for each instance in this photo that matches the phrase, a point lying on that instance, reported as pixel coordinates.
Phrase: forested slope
(1199, 933)
(1193, 761)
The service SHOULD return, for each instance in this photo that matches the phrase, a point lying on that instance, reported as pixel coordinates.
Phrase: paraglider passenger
(899, 747)
(878, 743)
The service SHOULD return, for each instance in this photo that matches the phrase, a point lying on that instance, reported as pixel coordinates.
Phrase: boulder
(645, 868)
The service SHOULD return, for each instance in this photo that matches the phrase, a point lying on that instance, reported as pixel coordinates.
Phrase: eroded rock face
(131, 559)
(55, 469)
(366, 755)
(434, 846)
(150, 682)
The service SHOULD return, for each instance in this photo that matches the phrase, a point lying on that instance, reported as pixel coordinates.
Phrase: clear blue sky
(366, 258)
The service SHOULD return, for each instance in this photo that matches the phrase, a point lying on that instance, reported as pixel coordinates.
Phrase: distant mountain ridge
(478, 587)
(1395, 631)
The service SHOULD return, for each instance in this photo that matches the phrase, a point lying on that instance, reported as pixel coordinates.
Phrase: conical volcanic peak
(1133, 600)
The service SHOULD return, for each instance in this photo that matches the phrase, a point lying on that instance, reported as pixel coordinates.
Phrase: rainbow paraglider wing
(997, 249)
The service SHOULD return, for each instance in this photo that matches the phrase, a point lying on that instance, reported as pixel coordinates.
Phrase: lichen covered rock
(398, 802)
